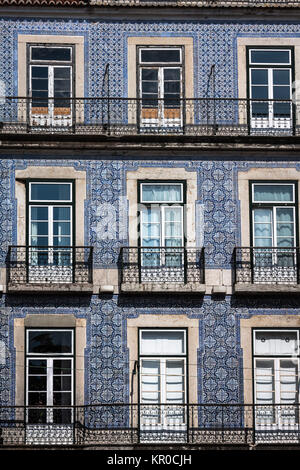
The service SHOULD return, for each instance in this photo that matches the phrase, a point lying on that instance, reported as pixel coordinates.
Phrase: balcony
(118, 117)
(126, 425)
(266, 270)
(50, 269)
(162, 269)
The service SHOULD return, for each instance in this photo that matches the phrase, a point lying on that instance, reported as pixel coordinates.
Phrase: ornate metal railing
(49, 265)
(124, 116)
(129, 424)
(162, 265)
(202, 3)
(258, 265)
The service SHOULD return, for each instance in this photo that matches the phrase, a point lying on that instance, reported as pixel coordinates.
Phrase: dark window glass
(259, 77)
(270, 57)
(50, 342)
(160, 55)
(281, 77)
(61, 367)
(51, 53)
(50, 192)
(62, 416)
(38, 367)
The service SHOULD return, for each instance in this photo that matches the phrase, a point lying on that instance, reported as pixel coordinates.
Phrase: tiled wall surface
(219, 359)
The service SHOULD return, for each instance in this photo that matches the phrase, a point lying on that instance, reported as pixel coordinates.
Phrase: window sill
(166, 287)
(241, 288)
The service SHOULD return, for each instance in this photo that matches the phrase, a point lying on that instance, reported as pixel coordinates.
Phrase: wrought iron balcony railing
(125, 116)
(269, 266)
(127, 424)
(203, 3)
(162, 265)
(49, 265)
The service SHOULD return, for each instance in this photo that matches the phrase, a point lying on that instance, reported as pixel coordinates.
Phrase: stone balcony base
(243, 288)
(62, 288)
(157, 287)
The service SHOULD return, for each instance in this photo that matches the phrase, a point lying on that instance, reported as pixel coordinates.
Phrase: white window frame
(50, 46)
(161, 120)
(271, 120)
(157, 48)
(163, 359)
(51, 118)
(282, 415)
(272, 184)
(44, 330)
(273, 224)
(270, 49)
(50, 358)
(50, 200)
(50, 234)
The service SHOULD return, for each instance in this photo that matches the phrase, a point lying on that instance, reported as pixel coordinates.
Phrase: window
(161, 229)
(276, 377)
(50, 84)
(273, 216)
(160, 86)
(270, 86)
(49, 375)
(50, 230)
(163, 380)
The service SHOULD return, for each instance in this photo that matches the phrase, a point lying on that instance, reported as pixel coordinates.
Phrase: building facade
(149, 212)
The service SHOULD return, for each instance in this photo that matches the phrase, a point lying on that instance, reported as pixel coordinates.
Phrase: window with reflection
(162, 226)
(49, 375)
(160, 85)
(50, 230)
(270, 78)
(273, 219)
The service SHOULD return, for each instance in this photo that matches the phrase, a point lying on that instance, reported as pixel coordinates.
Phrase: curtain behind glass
(161, 193)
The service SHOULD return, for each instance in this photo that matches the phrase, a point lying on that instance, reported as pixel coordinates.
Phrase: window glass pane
(149, 87)
(259, 77)
(281, 92)
(37, 383)
(39, 213)
(39, 228)
(62, 398)
(162, 342)
(276, 342)
(51, 53)
(50, 192)
(150, 74)
(174, 381)
(259, 92)
(61, 228)
(37, 367)
(161, 193)
(46, 342)
(61, 367)
(61, 213)
(160, 55)
(288, 381)
(39, 72)
(263, 216)
(270, 56)
(37, 398)
(281, 77)
(150, 381)
(172, 75)
(273, 193)
(264, 382)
